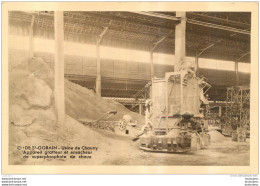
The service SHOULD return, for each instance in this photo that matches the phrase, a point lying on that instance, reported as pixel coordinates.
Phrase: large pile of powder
(31, 110)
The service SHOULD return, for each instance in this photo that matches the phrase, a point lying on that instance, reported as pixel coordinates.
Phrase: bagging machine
(174, 114)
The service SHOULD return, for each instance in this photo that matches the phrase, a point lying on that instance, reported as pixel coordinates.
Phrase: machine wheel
(122, 125)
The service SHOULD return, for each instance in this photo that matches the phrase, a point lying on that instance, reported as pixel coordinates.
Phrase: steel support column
(140, 108)
(151, 63)
(236, 66)
(98, 80)
(180, 40)
(59, 67)
(31, 47)
(236, 71)
(220, 111)
(154, 45)
(197, 65)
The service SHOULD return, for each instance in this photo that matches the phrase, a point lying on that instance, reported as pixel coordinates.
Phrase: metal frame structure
(238, 106)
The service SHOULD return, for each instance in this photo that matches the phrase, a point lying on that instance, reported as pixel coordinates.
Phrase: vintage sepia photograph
(129, 88)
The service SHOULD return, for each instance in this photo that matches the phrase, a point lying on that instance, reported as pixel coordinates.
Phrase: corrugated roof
(134, 30)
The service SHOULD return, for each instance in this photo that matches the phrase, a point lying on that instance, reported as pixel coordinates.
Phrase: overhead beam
(208, 47)
(228, 21)
(158, 42)
(242, 56)
(102, 34)
(158, 15)
(220, 27)
(180, 41)
(192, 21)
(59, 67)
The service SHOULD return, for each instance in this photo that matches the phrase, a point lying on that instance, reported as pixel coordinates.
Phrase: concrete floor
(119, 150)
(223, 153)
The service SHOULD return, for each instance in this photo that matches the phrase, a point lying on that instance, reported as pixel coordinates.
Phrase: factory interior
(146, 88)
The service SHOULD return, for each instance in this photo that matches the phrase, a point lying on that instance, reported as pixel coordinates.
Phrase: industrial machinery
(237, 118)
(174, 114)
(125, 126)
